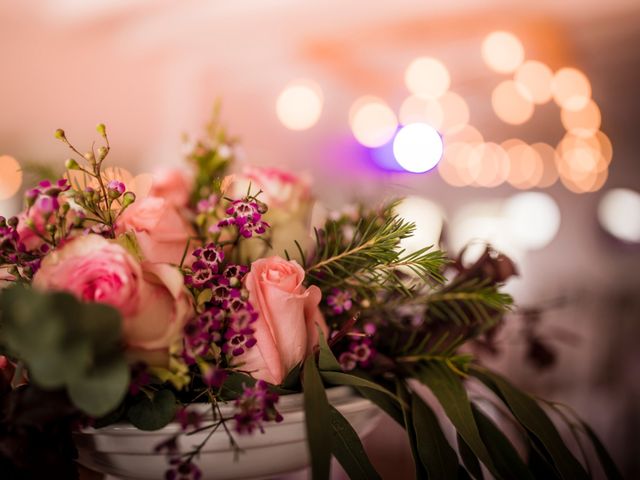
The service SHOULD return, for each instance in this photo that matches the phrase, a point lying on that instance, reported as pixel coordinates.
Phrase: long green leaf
(404, 395)
(449, 391)
(390, 406)
(348, 449)
(326, 359)
(317, 418)
(608, 465)
(527, 411)
(436, 454)
(504, 456)
(470, 461)
(339, 378)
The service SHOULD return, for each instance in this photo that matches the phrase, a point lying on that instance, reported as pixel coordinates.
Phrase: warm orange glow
(456, 113)
(489, 165)
(606, 149)
(549, 161)
(467, 134)
(416, 109)
(525, 166)
(299, 105)
(535, 78)
(584, 122)
(427, 77)
(372, 121)
(10, 177)
(511, 103)
(502, 52)
(454, 166)
(598, 144)
(591, 182)
(580, 163)
(571, 89)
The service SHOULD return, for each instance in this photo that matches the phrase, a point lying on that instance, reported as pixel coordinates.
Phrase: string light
(571, 88)
(502, 52)
(511, 103)
(10, 177)
(535, 77)
(427, 77)
(583, 122)
(373, 123)
(619, 214)
(299, 105)
(532, 218)
(417, 147)
(416, 109)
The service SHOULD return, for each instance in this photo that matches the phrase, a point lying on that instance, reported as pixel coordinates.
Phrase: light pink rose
(161, 232)
(174, 185)
(286, 330)
(151, 297)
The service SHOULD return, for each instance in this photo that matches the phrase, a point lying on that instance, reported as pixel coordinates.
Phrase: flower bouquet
(205, 306)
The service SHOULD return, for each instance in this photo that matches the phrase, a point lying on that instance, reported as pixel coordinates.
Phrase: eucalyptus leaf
(153, 413)
(317, 418)
(439, 459)
(339, 378)
(527, 411)
(390, 406)
(608, 465)
(326, 359)
(469, 460)
(405, 396)
(449, 391)
(102, 388)
(348, 449)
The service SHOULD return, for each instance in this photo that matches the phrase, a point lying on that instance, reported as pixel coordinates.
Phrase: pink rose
(151, 297)
(286, 329)
(161, 233)
(174, 185)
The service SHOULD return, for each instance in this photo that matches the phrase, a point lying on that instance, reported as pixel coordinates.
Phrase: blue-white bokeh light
(417, 147)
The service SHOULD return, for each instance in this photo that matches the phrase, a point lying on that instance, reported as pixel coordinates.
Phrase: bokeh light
(299, 105)
(571, 89)
(428, 218)
(421, 109)
(502, 52)
(532, 218)
(373, 123)
(511, 103)
(455, 113)
(525, 165)
(427, 77)
(467, 134)
(619, 214)
(584, 122)
(535, 77)
(10, 177)
(549, 162)
(454, 166)
(417, 147)
(489, 165)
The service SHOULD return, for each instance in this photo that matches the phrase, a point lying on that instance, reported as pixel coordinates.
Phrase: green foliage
(371, 260)
(153, 412)
(67, 344)
(317, 418)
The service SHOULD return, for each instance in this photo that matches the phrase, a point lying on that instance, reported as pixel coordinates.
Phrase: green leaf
(449, 391)
(348, 449)
(101, 389)
(317, 418)
(436, 454)
(527, 411)
(505, 457)
(153, 414)
(390, 406)
(608, 465)
(292, 380)
(326, 359)
(469, 459)
(404, 395)
(339, 378)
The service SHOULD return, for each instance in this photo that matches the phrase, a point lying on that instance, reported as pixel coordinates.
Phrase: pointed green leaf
(348, 449)
(390, 406)
(434, 450)
(505, 457)
(404, 395)
(527, 411)
(339, 378)
(608, 465)
(449, 391)
(470, 461)
(317, 418)
(326, 359)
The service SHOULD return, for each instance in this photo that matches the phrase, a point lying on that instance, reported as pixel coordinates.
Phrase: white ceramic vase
(122, 451)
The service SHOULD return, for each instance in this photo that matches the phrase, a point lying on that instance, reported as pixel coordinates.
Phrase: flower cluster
(45, 195)
(360, 352)
(339, 301)
(246, 216)
(256, 405)
(180, 468)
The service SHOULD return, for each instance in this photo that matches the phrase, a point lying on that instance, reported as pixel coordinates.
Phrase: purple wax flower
(246, 216)
(340, 301)
(255, 406)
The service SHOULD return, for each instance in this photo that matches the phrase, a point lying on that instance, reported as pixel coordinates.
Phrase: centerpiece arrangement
(197, 304)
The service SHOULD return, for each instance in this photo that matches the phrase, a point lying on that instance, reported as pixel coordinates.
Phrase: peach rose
(151, 297)
(161, 233)
(286, 329)
(172, 184)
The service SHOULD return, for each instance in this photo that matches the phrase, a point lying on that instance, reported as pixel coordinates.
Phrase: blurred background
(513, 123)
